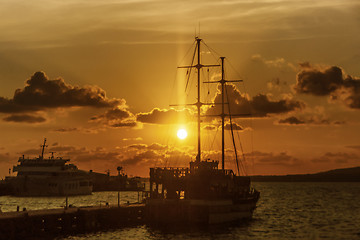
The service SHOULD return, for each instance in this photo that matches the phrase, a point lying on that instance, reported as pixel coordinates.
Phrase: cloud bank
(329, 81)
(259, 106)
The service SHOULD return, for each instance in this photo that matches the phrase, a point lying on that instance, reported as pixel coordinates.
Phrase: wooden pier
(65, 221)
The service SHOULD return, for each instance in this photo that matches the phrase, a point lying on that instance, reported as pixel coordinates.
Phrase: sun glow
(182, 133)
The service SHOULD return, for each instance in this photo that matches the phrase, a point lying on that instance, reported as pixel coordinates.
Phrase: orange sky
(97, 78)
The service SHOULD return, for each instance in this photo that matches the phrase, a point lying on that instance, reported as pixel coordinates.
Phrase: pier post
(118, 199)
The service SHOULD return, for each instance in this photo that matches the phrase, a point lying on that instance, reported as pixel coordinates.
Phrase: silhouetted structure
(203, 193)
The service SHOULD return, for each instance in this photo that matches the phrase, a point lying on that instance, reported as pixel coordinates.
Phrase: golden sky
(96, 78)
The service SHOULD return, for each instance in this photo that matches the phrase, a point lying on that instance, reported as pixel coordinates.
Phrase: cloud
(270, 158)
(117, 117)
(133, 139)
(24, 118)
(164, 116)
(355, 147)
(144, 157)
(259, 106)
(63, 130)
(313, 120)
(339, 157)
(210, 127)
(40, 93)
(291, 120)
(329, 81)
(318, 82)
(235, 127)
(309, 116)
(279, 63)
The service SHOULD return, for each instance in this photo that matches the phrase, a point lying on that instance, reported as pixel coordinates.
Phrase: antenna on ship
(52, 155)
(43, 148)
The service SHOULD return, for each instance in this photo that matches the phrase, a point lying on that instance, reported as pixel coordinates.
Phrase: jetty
(68, 220)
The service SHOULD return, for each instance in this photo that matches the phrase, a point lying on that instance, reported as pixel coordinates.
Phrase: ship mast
(223, 115)
(43, 148)
(198, 103)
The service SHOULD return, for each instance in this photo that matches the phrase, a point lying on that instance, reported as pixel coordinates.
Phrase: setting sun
(182, 133)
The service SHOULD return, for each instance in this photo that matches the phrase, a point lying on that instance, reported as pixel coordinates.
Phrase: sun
(182, 133)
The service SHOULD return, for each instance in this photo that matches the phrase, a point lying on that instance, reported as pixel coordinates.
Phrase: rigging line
(232, 133)
(212, 50)
(188, 72)
(177, 71)
(233, 68)
(243, 155)
(213, 141)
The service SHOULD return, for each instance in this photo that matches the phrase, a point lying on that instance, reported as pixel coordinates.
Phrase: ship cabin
(203, 180)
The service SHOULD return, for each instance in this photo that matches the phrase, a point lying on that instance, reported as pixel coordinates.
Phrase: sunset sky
(97, 79)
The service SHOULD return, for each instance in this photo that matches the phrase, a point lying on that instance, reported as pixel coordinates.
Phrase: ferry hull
(50, 186)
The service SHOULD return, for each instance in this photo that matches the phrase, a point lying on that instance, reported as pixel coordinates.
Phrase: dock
(67, 221)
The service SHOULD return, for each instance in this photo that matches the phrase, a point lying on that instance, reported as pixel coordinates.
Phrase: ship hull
(32, 186)
(165, 212)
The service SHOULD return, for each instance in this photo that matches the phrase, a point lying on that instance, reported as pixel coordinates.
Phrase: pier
(65, 221)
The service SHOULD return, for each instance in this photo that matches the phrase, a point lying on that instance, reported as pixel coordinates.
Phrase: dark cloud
(267, 158)
(33, 151)
(235, 127)
(259, 106)
(164, 116)
(62, 130)
(144, 157)
(62, 149)
(40, 93)
(315, 120)
(210, 127)
(330, 81)
(318, 82)
(291, 120)
(138, 146)
(356, 147)
(339, 157)
(124, 124)
(117, 117)
(24, 118)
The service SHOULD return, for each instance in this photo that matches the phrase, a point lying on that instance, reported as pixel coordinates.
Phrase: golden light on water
(182, 133)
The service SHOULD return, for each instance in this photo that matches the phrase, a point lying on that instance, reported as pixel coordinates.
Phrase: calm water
(285, 211)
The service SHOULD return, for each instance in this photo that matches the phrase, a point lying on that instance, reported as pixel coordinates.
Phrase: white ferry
(49, 177)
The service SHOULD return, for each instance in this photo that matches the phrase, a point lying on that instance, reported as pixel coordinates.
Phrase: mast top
(43, 148)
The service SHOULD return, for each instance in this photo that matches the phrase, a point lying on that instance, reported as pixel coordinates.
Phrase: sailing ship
(48, 177)
(202, 193)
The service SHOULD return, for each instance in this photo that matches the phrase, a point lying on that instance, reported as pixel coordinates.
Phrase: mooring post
(118, 199)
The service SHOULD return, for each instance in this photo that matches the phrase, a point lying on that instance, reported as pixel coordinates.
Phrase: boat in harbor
(202, 193)
(48, 177)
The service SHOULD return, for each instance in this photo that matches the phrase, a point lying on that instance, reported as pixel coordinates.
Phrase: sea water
(285, 211)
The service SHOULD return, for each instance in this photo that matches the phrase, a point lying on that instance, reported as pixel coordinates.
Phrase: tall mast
(198, 103)
(223, 115)
(222, 81)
